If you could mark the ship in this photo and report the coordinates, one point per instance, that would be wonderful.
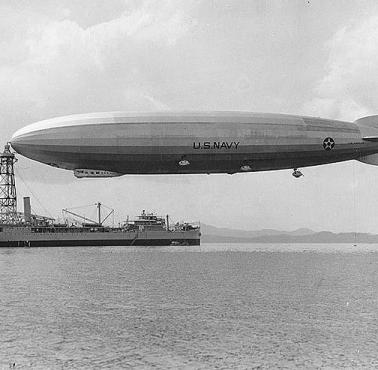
(24, 229)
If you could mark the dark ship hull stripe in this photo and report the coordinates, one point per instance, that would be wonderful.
(104, 242)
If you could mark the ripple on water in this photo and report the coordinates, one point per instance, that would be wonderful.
(238, 306)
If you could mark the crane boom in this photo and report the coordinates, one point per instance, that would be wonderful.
(80, 216)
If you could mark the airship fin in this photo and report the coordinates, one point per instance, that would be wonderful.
(369, 131)
(370, 138)
(368, 127)
(369, 159)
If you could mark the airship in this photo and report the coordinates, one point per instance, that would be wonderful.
(117, 143)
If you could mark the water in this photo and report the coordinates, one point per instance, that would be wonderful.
(214, 306)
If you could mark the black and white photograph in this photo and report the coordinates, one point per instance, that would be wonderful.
(188, 184)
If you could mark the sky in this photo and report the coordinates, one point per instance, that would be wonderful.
(316, 58)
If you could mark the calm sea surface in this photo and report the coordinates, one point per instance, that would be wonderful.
(214, 306)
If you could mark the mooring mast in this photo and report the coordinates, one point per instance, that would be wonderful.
(8, 198)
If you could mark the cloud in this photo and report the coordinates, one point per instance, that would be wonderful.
(349, 89)
(61, 67)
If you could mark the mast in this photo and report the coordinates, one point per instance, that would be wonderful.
(8, 197)
(99, 212)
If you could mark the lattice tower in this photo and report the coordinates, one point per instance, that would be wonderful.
(8, 198)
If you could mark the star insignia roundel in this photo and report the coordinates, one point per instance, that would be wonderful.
(328, 143)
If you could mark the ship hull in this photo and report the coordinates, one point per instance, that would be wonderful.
(23, 237)
(95, 243)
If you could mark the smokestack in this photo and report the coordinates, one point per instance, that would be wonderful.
(27, 209)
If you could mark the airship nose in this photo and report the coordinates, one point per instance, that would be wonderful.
(21, 141)
(29, 143)
(46, 142)
(17, 142)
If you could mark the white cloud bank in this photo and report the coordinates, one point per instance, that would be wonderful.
(65, 68)
(349, 89)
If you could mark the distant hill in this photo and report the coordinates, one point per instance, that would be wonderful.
(219, 231)
(212, 234)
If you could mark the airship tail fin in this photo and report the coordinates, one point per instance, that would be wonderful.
(369, 159)
(368, 127)
(369, 131)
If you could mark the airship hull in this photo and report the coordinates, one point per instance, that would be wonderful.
(170, 143)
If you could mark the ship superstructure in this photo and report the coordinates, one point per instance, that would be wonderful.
(29, 230)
